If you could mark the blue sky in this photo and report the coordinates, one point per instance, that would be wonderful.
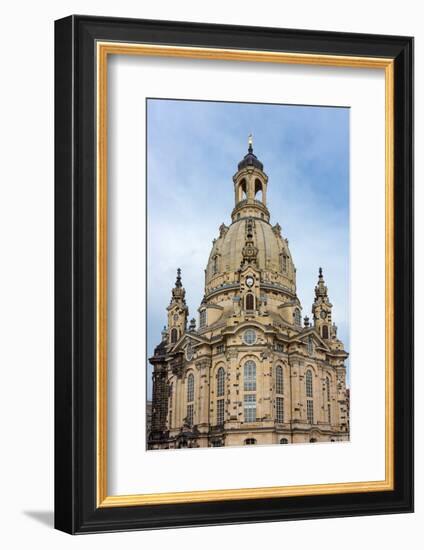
(193, 148)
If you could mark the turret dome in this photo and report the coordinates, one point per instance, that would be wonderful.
(250, 160)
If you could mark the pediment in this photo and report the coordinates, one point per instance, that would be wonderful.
(311, 332)
(187, 338)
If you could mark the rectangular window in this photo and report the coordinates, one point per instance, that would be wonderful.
(220, 412)
(310, 411)
(203, 318)
(220, 348)
(190, 414)
(279, 405)
(250, 408)
(329, 413)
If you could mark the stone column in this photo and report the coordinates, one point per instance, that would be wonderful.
(296, 397)
(203, 366)
(266, 395)
(234, 389)
(181, 402)
(264, 186)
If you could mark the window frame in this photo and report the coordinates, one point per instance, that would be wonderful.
(249, 301)
(249, 408)
(190, 388)
(220, 382)
(245, 337)
(279, 380)
(220, 411)
(279, 409)
(249, 378)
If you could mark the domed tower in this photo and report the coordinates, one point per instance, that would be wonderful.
(250, 186)
(250, 269)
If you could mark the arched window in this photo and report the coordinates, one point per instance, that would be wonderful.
(249, 376)
(190, 399)
(258, 190)
(279, 383)
(279, 390)
(309, 396)
(174, 335)
(284, 441)
(250, 302)
(249, 384)
(325, 332)
(220, 382)
(220, 392)
(297, 318)
(284, 262)
(312, 440)
(309, 389)
(250, 441)
(202, 323)
(242, 190)
(190, 388)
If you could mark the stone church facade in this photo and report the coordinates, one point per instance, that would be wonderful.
(251, 372)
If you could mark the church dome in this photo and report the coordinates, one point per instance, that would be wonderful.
(250, 239)
(273, 255)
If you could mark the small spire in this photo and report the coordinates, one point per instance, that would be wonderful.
(178, 283)
(250, 142)
(321, 289)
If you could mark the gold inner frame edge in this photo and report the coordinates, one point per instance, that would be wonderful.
(103, 49)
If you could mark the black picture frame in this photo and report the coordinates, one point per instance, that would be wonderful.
(76, 510)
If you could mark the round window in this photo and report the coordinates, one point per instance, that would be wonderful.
(249, 337)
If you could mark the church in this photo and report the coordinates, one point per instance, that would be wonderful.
(251, 371)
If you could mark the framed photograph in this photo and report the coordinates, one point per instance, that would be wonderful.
(234, 274)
